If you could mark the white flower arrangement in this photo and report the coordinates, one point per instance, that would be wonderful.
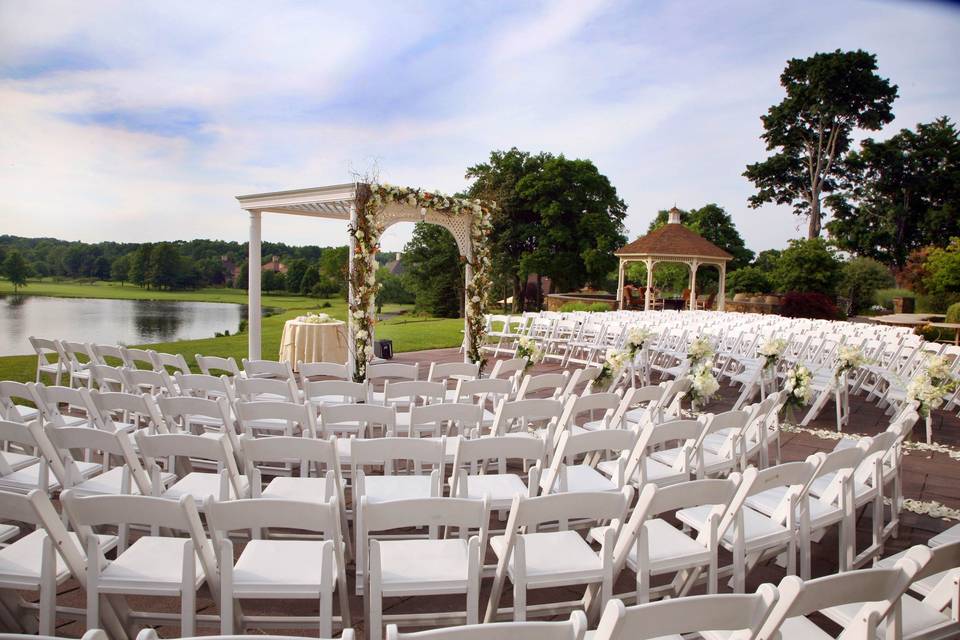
(703, 384)
(848, 359)
(771, 350)
(700, 350)
(797, 386)
(316, 318)
(932, 383)
(636, 338)
(529, 349)
(613, 364)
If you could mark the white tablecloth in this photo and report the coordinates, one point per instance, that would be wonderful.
(308, 342)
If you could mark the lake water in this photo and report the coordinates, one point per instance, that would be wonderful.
(110, 321)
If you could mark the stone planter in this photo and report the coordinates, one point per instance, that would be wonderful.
(903, 305)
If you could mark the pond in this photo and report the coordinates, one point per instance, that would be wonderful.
(110, 321)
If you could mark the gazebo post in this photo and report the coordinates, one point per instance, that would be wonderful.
(722, 296)
(620, 285)
(352, 247)
(693, 285)
(646, 298)
(254, 314)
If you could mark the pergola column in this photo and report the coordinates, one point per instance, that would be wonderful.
(620, 285)
(467, 278)
(254, 266)
(693, 285)
(722, 295)
(649, 292)
(352, 248)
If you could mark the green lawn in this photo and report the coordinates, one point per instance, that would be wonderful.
(408, 332)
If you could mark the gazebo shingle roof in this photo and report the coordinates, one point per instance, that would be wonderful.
(673, 239)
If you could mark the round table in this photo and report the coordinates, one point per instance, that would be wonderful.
(313, 342)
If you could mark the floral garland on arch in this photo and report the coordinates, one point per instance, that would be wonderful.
(370, 201)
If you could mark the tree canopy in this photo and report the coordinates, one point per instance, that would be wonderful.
(902, 194)
(16, 270)
(828, 96)
(434, 271)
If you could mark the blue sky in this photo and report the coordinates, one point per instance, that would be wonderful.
(139, 121)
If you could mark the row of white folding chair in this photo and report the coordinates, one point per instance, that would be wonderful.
(74, 359)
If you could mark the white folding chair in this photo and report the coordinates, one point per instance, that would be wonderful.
(274, 568)
(378, 374)
(483, 392)
(269, 369)
(333, 370)
(45, 350)
(321, 392)
(736, 616)
(171, 363)
(154, 565)
(276, 418)
(451, 373)
(408, 394)
(216, 366)
(545, 385)
(533, 559)
(480, 469)
(423, 567)
(573, 628)
(127, 478)
(565, 474)
(252, 389)
(137, 358)
(50, 398)
(47, 472)
(10, 409)
(78, 359)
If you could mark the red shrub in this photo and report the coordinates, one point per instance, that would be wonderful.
(809, 305)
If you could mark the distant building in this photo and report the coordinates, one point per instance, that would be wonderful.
(275, 265)
(396, 267)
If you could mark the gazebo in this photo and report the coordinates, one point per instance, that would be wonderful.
(673, 242)
(370, 209)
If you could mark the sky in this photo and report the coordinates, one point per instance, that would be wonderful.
(140, 121)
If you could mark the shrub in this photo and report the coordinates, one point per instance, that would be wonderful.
(928, 333)
(807, 266)
(584, 306)
(809, 305)
(860, 278)
(884, 297)
(749, 280)
(953, 313)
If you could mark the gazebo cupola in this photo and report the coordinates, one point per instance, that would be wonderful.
(673, 242)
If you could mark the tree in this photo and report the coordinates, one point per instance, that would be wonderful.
(860, 279)
(270, 280)
(140, 265)
(309, 280)
(295, 271)
(164, 266)
(748, 280)
(942, 280)
(767, 260)
(902, 194)
(434, 271)
(807, 266)
(16, 270)
(828, 96)
(120, 269)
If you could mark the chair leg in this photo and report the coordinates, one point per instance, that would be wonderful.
(188, 596)
(48, 589)
(519, 602)
(93, 579)
(326, 591)
(226, 592)
(375, 631)
(474, 570)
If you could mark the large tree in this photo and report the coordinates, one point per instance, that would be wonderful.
(903, 194)
(558, 218)
(829, 95)
(15, 268)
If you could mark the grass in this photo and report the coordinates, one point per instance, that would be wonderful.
(409, 333)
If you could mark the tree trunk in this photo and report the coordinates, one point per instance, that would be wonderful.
(517, 295)
(539, 292)
(813, 230)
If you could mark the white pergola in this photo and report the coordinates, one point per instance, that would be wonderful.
(333, 202)
(673, 242)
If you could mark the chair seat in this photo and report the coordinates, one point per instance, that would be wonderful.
(581, 477)
(27, 479)
(946, 537)
(201, 486)
(387, 488)
(8, 531)
(554, 558)
(111, 482)
(660, 474)
(916, 616)
(20, 562)
(767, 502)
(295, 488)
(18, 460)
(277, 425)
(500, 487)
(669, 548)
(25, 413)
(410, 567)
(280, 569)
(151, 565)
(716, 441)
(759, 531)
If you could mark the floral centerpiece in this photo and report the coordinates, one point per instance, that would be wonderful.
(700, 350)
(371, 199)
(636, 339)
(932, 383)
(848, 359)
(529, 349)
(316, 318)
(771, 350)
(613, 364)
(797, 386)
(703, 384)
